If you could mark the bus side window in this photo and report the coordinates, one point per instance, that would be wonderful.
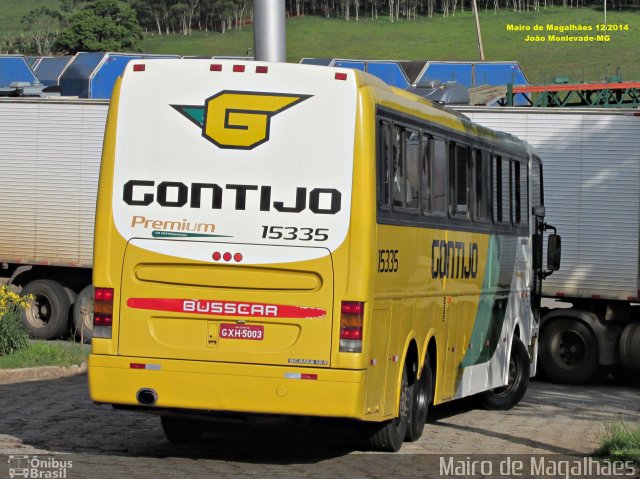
(536, 184)
(425, 165)
(439, 176)
(482, 184)
(458, 179)
(517, 191)
(506, 190)
(412, 167)
(496, 182)
(398, 181)
(384, 172)
(516, 179)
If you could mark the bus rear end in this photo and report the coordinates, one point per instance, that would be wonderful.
(223, 213)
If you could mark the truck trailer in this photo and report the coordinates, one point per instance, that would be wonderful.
(49, 160)
(591, 158)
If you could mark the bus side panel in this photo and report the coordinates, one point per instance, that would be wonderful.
(378, 341)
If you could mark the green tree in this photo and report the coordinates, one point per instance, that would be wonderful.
(102, 25)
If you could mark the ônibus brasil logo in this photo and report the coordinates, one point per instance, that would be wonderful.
(238, 119)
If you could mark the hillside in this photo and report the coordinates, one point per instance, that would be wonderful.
(438, 38)
(452, 38)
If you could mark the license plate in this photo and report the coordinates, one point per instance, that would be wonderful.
(242, 331)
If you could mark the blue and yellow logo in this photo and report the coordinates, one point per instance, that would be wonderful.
(238, 119)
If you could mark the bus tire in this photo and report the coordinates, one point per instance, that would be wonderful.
(420, 400)
(47, 315)
(388, 436)
(568, 351)
(506, 397)
(180, 430)
(83, 314)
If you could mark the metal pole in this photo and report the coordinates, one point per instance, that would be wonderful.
(269, 34)
(475, 14)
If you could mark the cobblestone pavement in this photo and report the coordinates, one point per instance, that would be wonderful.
(55, 419)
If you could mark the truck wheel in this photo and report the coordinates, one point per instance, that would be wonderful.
(420, 399)
(630, 346)
(568, 351)
(47, 315)
(179, 430)
(506, 397)
(389, 435)
(83, 314)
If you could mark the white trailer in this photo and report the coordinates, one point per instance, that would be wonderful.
(591, 161)
(49, 160)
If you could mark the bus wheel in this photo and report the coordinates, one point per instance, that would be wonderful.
(420, 400)
(389, 435)
(568, 351)
(47, 315)
(179, 430)
(506, 397)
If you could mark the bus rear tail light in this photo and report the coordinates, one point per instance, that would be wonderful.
(102, 312)
(351, 326)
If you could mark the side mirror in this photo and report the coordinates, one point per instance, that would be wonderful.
(554, 252)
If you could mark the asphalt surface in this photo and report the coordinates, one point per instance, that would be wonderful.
(54, 422)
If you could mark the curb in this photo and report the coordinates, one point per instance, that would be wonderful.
(40, 373)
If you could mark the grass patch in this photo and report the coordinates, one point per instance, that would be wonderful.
(46, 353)
(621, 442)
(440, 38)
(14, 10)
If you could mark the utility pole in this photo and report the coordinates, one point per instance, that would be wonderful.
(269, 33)
(479, 34)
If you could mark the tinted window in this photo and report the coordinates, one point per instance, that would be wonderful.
(482, 183)
(439, 174)
(412, 167)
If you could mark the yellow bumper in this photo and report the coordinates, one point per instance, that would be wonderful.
(229, 387)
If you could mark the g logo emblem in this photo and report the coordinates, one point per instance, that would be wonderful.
(238, 119)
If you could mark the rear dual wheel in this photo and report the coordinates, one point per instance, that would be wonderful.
(388, 436)
(420, 400)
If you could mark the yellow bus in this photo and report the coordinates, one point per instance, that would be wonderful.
(308, 241)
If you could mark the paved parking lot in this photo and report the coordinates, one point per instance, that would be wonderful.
(55, 420)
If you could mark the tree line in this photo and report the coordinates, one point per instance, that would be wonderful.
(69, 26)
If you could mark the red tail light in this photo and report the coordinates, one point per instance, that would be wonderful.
(102, 312)
(351, 326)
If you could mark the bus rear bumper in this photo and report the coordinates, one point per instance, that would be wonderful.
(228, 387)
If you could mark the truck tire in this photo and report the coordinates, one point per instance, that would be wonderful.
(83, 314)
(506, 397)
(568, 351)
(47, 315)
(630, 346)
(388, 436)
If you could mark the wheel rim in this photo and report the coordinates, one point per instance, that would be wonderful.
(38, 313)
(569, 349)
